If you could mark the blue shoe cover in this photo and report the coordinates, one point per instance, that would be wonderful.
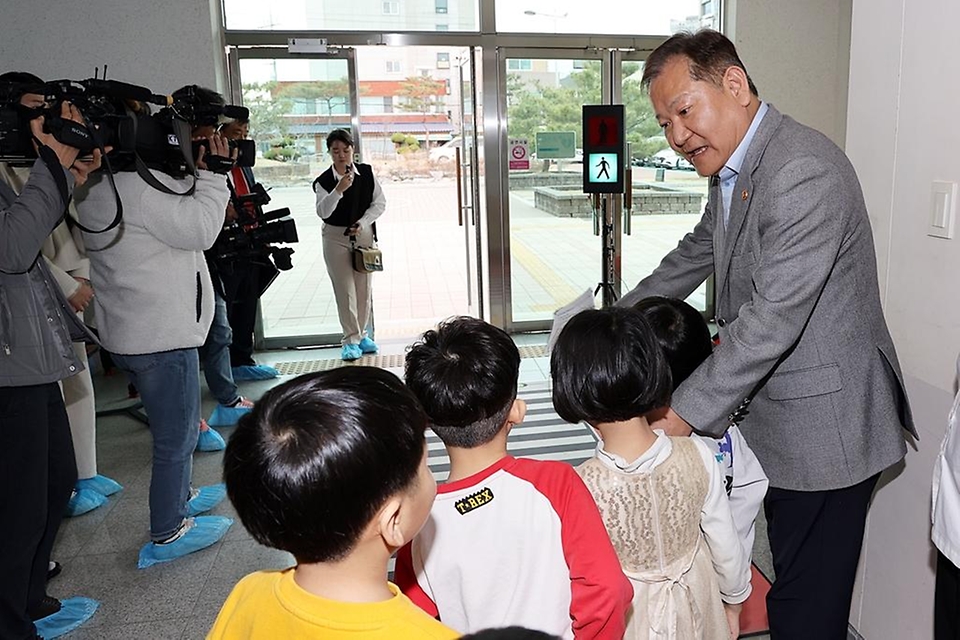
(368, 346)
(206, 498)
(227, 416)
(210, 440)
(101, 484)
(254, 372)
(350, 352)
(83, 501)
(73, 613)
(203, 532)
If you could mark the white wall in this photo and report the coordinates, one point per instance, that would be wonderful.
(797, 53)
(901, 136)
(159, 44)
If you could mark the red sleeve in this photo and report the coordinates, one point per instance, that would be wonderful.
(600, 594)
(405, 578)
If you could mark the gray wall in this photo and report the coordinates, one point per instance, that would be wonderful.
(798, 54)
(901, 138)
(159, 44)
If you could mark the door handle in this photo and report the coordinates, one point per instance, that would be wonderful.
(459, 189)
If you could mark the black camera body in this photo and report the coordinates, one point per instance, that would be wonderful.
(117, 115)
(254, 233)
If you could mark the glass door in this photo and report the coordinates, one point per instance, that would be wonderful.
(294, 102)
(412, 111)
(553, 252)
(668, 194)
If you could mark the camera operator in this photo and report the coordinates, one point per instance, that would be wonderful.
(154, 306)
(244, 279)
(37, 325)
(65, 257)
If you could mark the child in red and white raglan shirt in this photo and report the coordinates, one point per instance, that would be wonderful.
(509, 541)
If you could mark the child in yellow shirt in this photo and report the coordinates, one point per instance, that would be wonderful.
(332, 468)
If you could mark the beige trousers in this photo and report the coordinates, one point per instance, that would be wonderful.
(353, 290)
(82, 414)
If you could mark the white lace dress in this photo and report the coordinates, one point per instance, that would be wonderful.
(669, 521)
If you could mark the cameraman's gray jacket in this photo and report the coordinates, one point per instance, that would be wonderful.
(36, 321)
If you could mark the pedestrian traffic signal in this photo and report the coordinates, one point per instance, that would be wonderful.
(603, 148)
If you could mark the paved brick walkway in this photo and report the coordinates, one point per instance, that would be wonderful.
(425, 277)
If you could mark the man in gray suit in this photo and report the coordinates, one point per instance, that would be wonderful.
(803, 341)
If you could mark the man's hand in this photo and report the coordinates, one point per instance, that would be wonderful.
(67, 155)
(353, 230)
(82, 296)
(83, 167)
(231, 215)
(218, 147)
(674, 425)
(732, 612)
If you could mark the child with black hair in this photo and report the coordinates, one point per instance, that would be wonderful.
(330, 467)
(685, 339)
(662, 499)
(510, 541)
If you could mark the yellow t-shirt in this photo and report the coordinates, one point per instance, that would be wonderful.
(270, 604)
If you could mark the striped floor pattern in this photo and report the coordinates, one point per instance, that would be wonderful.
(543, 435)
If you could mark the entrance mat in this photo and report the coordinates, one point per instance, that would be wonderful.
(392, 361)
(753, 618)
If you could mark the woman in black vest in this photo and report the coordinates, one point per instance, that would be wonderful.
(349, 200)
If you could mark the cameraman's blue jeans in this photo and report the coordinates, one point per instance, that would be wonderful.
(169, 386)
(215, 354)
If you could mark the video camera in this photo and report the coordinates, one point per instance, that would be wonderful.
(252, 235)
(117, 114)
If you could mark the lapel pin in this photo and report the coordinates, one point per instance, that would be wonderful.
(744, 194)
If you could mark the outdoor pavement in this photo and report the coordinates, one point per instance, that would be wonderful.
(425, 277)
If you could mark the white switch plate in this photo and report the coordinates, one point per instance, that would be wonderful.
(943, 210)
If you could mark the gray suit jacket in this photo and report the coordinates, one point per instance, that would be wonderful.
(803, 340)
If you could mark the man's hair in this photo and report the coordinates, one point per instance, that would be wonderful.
(709, 52)
(607, 367)
(339, 135)
(509, 633)
(681, 331)
(20, 77)
(206, 97)
(309, 467)
(465, 375)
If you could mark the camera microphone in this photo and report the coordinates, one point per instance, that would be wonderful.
(123, 90)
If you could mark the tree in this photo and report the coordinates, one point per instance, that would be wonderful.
(531, 107)
(331, 93)
(267, 111)
(424, 96)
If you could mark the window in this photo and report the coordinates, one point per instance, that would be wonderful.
(394, 66)
(443, 61)
(707, 8)
(441, 6)
(515, 64)
(443, 27)
(391, 8)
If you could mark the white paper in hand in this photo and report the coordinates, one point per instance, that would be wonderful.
(563, 315)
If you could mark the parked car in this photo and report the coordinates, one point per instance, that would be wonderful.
(685, 165)
(447, 152)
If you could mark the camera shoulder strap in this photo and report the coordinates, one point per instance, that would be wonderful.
(182, 131)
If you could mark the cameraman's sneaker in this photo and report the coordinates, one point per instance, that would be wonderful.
(70, 614)
(350, 352)
(227, 416)
(254, 372)
(101, 484)
(205, 498)
(194, 534)
(368, 346)
(209, 440)
(83, 501)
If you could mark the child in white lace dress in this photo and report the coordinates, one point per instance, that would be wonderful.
(662, 499)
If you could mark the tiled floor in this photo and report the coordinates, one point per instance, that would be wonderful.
(181, 599)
